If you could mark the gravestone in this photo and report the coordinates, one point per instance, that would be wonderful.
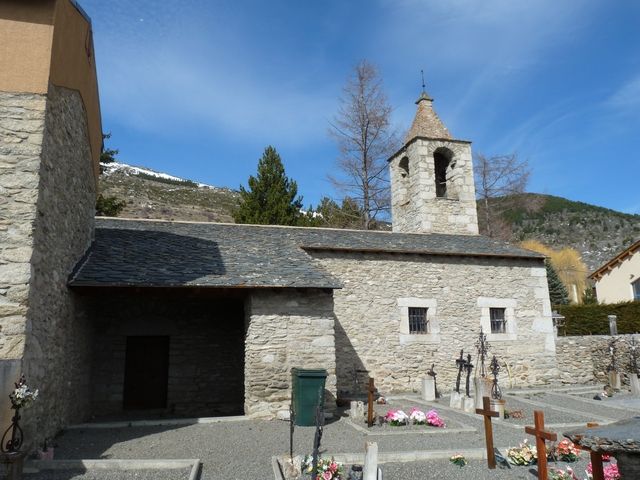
(428, 389)
(482, 389)
(635, 384)
(614, 380)
(456, 400)
(356, 411)
(613, 324)
(370, 461)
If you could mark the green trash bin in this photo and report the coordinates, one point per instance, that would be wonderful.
(307, 388)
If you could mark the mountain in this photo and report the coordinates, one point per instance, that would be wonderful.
(597, 233)
(150, 194)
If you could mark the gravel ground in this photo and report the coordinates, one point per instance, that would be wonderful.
(476, 469)
(243, 449)
(588, 406)
(165, 474)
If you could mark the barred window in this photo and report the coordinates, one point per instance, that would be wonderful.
(498, 321)
(418, 320)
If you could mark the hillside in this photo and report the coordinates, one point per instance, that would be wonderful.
(150, 194)
(596, 232)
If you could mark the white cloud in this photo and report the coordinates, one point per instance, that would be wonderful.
(627, 97)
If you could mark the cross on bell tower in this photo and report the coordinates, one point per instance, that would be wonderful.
(432, 187)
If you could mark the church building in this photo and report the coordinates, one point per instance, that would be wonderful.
(111, 315)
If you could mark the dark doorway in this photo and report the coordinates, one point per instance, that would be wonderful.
(146, 372)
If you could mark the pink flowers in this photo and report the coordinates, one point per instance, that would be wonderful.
(415, 417)
(434, 419)
(610, 471)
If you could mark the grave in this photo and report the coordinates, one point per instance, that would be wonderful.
(620, 439)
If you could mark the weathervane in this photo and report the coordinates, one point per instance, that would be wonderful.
(423, 87)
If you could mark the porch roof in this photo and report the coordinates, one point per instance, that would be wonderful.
(171, 254)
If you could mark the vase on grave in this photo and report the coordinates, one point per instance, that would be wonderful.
(482, 389)
(497, 405)
(13, 463)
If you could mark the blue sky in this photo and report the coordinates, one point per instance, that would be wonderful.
(198, 88)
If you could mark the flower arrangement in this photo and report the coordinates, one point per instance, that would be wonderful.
(567, 451)
(22, 396)
(416, 417)
(327, 469)
(513, 414)
(558, 474)
(458, 460)
(396, 418)
(524, 454)
(610, 472)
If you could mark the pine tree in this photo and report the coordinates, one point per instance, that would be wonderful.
(557, 291)
(272, 197)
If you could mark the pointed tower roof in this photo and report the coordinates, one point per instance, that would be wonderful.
(426, 122)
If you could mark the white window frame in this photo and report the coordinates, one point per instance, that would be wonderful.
(433, 325)
(511, 326)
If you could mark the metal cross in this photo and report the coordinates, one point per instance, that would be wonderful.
(468, 366)
(432, 373)
(482, 347)
(460, 363)
(496, 393)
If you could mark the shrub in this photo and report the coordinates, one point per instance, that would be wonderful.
(592, 319)
(109, 206)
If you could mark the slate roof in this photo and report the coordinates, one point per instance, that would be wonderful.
(426, 123)
(170, 254)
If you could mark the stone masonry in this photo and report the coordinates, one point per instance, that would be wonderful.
(415, 207)
(286, 329)
(369, 315)
(206, 348)
(48, 196)
(584, 359)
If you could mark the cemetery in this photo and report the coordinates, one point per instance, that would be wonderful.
(583, 429)
(164, 349)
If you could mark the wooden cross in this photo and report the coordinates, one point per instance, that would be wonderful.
(487, 413)
(541, 436)
(597, 469)
(370, 391)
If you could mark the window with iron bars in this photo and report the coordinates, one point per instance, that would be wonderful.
(418, 322)
(498, 320)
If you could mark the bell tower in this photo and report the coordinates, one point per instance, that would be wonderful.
(432, 187)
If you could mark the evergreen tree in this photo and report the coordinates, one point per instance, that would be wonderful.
(272, 197)
(557, 291)
(108, 155)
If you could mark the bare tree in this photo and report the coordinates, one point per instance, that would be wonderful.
(500, 180)
(365, 140)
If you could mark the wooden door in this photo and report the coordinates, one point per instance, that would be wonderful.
(146, 373)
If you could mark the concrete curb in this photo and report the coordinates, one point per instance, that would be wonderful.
(91, 464)
(160, 422)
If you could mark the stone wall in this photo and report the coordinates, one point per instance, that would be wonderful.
(415, 207)
(206, 348)
(378, 287)
(287, 329)
(48, 195)
(584, 359)
(21, 129)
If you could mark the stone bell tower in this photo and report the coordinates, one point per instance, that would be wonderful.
(50, 141)
(432, 187)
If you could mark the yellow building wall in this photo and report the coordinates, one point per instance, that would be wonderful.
(615, 285)
(50, 41)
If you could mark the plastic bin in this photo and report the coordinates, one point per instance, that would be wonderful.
(307, 389)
